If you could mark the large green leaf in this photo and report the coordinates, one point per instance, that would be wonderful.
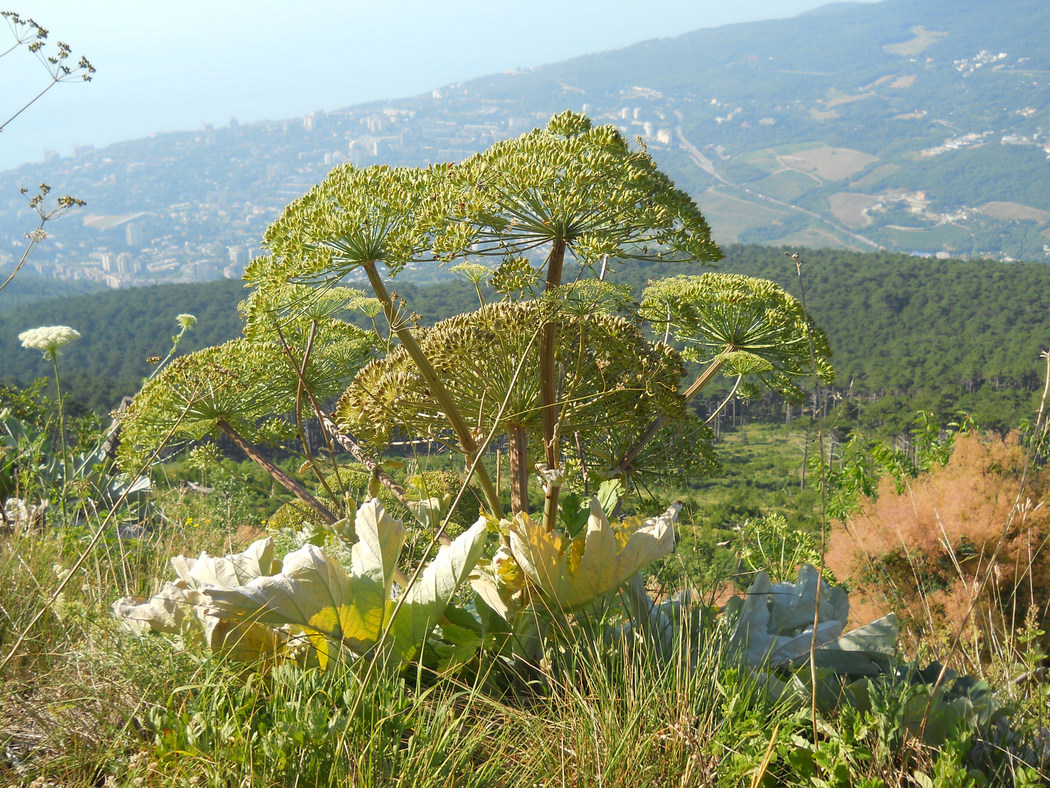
(317, 598)
(426, 599)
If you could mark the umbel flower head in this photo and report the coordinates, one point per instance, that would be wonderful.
(186, 320)
(48, 339)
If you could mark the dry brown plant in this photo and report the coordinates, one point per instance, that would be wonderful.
(922, 552)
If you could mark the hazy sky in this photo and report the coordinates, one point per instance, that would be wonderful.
(164, 66)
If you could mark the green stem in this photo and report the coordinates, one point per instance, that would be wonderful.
(437, 388)
(61, 439)
(549, 388)
(300, 390)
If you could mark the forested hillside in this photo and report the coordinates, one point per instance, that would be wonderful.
(907, 332)
(913, 333)
(120, 329)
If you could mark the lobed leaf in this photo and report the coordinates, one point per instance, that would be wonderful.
(571, 573)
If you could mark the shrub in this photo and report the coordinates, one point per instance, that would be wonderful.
(924, 551)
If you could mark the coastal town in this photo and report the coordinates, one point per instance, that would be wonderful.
(193, 206)
(812, 170)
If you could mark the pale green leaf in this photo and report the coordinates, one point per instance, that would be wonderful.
(229, 570)
(180, 607)
(316, 597)
(427, 598)
(569, 577)
(315, 594)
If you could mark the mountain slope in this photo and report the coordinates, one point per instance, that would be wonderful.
(909, 125)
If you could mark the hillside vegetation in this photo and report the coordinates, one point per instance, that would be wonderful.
(911, 333)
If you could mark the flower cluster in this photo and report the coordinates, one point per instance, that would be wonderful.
(186, 320)
(48, 339)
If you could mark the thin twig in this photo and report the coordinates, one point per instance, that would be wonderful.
(823, 499)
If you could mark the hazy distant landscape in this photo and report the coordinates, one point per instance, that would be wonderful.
(907, 126)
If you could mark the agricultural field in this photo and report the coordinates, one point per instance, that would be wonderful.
(1016, 212)
(822, 162)
(920, 40)
(850, 208)
(731, 216)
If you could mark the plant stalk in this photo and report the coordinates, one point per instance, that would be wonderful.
(690, 393)
(517, 458)
(61, 439)
(437, 388)
(280, 476)
(549, 388)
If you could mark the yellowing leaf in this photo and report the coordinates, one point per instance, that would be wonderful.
(567, 579)
(315, 596)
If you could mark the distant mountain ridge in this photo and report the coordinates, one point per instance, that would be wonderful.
(933, 110)
(906, 125)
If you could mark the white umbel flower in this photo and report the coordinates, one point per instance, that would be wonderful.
(48, 339)
(186, 320)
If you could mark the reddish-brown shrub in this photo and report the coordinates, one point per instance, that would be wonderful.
(923, 553)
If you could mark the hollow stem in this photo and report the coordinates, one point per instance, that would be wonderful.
(437, 388)
(280, 476)
(517, 458)
(549, 387)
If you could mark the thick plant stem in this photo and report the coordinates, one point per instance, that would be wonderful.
(517, 457)
(690, 393)
(280, 476)
(359, 454)
(549, 388)
(333, 432)
(437, 388)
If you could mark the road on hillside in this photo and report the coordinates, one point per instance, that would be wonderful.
(708, 166)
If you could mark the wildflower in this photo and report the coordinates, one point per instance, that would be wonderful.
(186, 320)
(48, 339)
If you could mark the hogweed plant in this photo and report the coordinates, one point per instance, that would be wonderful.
(572, 379)
(556, 402)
